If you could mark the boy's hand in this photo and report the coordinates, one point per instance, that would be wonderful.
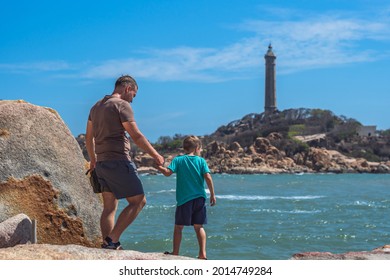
(213, 200)
(165, 171)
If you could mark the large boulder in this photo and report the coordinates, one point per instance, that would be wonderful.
(42, 174)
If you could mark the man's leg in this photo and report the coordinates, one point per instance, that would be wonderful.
(201, 236)
(177, 235)
(107, 219)
(128, 215)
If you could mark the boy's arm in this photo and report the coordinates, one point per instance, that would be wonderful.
(210, 185)
(166, 171)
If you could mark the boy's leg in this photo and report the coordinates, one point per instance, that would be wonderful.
(201, 236)
(177, 236)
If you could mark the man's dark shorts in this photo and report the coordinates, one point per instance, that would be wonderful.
(119, 177)
(191, 213)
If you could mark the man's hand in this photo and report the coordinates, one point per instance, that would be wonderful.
(92, 164)
(159, 160)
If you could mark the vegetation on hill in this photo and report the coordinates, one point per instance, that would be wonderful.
(340, 133)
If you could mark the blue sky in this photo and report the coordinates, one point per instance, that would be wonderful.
(199, 64)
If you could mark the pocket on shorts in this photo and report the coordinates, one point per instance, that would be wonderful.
(109, 165)
(132, 168)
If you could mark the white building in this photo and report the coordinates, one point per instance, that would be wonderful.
(367, 130)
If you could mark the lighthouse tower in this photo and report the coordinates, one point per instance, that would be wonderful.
(270, 83)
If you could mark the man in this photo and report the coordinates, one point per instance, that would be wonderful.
(108, 148)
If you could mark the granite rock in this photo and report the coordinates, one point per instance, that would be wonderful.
(15, 230)
(381, 253)
(42, 174)
(77, 252)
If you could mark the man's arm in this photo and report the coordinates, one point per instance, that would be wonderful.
(90, 145)
(210, 185)
(140, 140)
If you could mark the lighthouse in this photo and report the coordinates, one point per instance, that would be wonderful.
(270, 82)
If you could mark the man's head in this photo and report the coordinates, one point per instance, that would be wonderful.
(191, 144)
(127, 87)
(126, 80)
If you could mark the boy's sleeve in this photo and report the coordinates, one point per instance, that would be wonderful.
(206, 168)
(172, 165)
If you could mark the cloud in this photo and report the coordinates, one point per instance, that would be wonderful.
(184, 63)
(323, 41)
(301, 42)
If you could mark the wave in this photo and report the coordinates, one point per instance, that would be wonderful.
(163, 207)
(163, 191)
(260, 197)
(286, 212)
(166, 191)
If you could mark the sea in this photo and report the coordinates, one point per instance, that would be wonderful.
(271, 217)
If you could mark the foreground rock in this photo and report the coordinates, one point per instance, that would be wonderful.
(77, 252)
(381, 253)
(42, 174)
(15, 230)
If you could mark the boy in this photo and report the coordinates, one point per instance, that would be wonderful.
(192, 171)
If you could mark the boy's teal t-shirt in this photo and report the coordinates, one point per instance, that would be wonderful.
(190, 181)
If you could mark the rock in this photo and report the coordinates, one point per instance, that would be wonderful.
(261, 145)
(382, 168)
(42, 174)
(213, 148)
(381, 253)
(147, 161)
(275, 136)
(15, 230)
(147, 170)
(236, 147)
(77, 252)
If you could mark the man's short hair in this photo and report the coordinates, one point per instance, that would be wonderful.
(191, 142)
(126, 80)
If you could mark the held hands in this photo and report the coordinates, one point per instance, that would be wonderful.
(159, 160)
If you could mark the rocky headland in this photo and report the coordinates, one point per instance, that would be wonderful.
(292, 141)
(263, 156)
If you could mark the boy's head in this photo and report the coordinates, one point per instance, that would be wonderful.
(191, 143)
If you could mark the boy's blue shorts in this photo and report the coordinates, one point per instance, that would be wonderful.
(191, 213)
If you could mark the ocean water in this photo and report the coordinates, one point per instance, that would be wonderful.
(271, 217)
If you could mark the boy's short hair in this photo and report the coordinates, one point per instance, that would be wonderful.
(191, 142)
(126, 80)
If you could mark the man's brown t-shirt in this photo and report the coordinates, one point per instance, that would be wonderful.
(107, 116)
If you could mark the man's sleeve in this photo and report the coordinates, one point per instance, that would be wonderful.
(126, 113)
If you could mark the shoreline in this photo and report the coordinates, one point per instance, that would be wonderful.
(152, 171)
